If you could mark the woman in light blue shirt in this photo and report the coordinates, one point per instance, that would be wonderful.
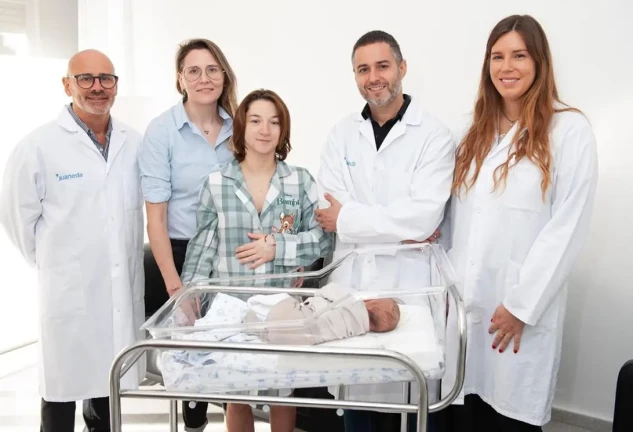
(180, 149)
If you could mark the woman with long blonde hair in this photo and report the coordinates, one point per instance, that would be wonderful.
(523, 192)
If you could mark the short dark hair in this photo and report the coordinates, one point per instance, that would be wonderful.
(384, 314)
(379, 36)
(238, 142)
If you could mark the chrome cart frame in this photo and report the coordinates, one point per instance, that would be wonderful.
(130, 355)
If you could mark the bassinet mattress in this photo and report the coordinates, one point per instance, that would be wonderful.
(221, 372)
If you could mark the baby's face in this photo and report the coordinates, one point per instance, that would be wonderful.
(384, 314)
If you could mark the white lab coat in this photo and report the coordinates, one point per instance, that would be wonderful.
(516, 248)
(79, 221)
(394, 194)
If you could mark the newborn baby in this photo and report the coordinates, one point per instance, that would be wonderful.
(350, 318)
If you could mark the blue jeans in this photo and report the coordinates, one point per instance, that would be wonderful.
(370, 421)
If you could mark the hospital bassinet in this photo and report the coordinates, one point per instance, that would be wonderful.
(206, 349)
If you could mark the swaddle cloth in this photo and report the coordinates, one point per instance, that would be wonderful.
(261, 304)
(347, 319)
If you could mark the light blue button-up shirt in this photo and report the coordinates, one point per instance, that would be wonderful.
(175, 159)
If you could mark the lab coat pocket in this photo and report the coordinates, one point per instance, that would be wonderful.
(523, 189)
(524, 207)
(61, 291)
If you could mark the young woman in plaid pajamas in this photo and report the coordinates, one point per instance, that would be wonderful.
(256, 216)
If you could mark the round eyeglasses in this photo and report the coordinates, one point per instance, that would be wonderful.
(86, 81)
(192, 73)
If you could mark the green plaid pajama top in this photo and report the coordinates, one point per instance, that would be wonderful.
(226, 214)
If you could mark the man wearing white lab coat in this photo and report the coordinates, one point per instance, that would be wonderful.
(70, 201)
(386, 175)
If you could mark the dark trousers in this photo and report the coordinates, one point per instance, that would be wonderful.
(371, 421)
(60, 416)
(155, 296)
(623, 411)
(477, 416)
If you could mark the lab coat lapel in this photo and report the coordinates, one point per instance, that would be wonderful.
(117, 141)
(412, 116)
(367, 131)
(505, 142)
(66, 121)
(85, 140)
(396, 131)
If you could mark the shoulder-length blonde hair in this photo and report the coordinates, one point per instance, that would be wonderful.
(228, 99)
(537, 111)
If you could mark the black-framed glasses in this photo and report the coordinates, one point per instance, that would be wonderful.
(86, 81)
(192, 73)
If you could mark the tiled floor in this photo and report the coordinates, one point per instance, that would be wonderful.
(560, 427)
(19, 405)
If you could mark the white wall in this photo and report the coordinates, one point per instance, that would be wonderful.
(54, 31)
(302, 51)
(31, 93)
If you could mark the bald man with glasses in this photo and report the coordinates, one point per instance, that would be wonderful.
(70, 202)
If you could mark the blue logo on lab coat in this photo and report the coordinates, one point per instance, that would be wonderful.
(350, 163)
(62, 177)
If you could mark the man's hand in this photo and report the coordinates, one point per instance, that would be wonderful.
(328, 217)
(260, 251)
(434, 237)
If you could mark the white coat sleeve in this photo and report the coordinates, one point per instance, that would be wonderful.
(446, 233)
(331, 175)
(412, 217)
(551, 257)
(21, 198)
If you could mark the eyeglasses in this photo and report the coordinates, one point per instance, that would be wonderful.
(86, 81)
(192, 73)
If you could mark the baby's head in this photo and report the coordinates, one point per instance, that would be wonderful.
(384, 314)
